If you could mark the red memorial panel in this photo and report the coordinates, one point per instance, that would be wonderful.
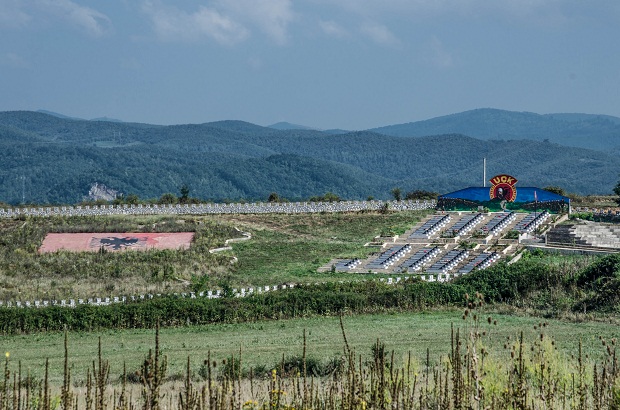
(79, 242)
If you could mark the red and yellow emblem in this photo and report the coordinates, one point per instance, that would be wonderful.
(503, 188)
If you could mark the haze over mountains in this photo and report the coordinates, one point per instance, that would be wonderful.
(600, 132)
(49, 159)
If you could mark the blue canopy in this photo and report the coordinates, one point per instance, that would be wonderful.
(525, 194)
(528, 199)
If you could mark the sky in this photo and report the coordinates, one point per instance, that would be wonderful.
(349, 64)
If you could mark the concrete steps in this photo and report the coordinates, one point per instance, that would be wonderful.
(590, 234)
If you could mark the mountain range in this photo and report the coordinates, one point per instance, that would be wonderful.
(51, 159)
(601, 132)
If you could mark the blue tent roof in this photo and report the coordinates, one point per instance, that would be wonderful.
(524, 194)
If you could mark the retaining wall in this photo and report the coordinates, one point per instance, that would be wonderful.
(216, 208)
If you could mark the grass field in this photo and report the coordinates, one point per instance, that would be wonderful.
(290, 248)
(265, 343)
(283, 248)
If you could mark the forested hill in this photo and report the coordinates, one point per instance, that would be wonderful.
(601, 132)
(46, 159)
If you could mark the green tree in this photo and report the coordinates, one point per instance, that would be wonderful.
(132, 199)
(273, 197)
(421, 194)
(617, 192)
(167, 198)
(184, 198)
(397, 194)
(331, 197)
(327, 197)
(555, 189)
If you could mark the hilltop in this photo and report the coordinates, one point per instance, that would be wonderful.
(601, 132)
(47, 159)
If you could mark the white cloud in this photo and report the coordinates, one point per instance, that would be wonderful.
(19, 14)
(90, 20)
(270, 16)
(333, 29)
(380, 34)
(552, 11)
(170, 23)
(12, 15)
(225, 21)
(377, 8)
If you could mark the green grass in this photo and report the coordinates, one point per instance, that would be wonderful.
(292, 247)
(283, 248)
(265, 343)
(27, 275)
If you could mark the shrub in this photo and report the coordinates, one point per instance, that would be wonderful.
(231, 368)
(600, 272)
(295, 364)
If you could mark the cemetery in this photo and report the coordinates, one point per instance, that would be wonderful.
(446, 245)
(475, 227)
(439, 247)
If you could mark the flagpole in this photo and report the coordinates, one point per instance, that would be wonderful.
(535, 205)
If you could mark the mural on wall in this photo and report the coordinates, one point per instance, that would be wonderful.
(503, 195)
(503, 188)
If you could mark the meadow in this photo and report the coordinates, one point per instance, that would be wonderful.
(431, 359)
(264, 343)
(283, 249)
(542, 334)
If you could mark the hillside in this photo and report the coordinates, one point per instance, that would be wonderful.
(283, 125)
(46, 159)
(601, 132)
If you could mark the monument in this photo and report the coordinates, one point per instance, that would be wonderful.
(503, 195)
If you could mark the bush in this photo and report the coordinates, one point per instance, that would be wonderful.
(295, 364)
(421, 194)
(529, 281)
(600, 272)
(231, 368)
(588, 216)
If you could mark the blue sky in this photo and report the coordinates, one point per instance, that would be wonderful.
(352, 64)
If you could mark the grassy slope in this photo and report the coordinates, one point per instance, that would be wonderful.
(27, 275)
(291, 247)
(284, 248)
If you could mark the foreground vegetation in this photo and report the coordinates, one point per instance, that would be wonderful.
(537, 283)
(263, 343)
(481, 361)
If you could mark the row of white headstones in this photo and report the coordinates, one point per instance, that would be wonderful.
(211, 294)
(215, 208)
